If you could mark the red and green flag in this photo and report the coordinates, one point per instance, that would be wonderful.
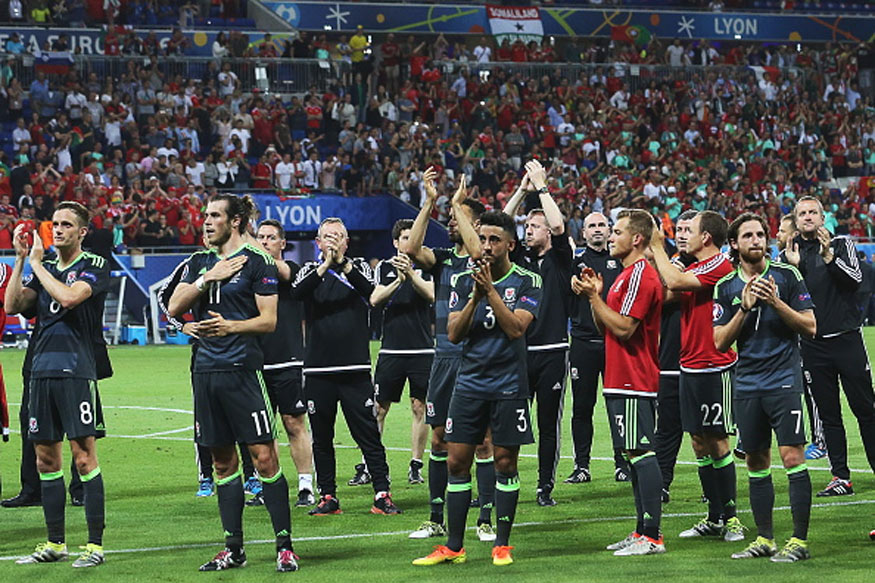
(631, 33)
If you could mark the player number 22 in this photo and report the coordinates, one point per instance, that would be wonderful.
(258, 422)
(716, 411)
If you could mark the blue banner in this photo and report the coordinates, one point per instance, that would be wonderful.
(374, 213)
(467, 19)
(89, 41)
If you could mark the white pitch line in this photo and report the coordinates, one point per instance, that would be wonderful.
(162, 435)
(156, 434)
(406, 532)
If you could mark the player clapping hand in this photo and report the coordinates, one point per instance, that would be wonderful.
(402, 264)
(428, 178)
(589, 283)
(824, 237)
(22, 240)
(482, 274)
(762, 289)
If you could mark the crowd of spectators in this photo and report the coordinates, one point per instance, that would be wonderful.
(145, 150)
(142, 13)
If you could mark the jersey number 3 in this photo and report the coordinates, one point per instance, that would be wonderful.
(489, 322)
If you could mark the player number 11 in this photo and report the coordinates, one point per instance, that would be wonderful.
(257, 421)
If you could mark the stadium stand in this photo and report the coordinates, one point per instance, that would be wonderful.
(146, 132)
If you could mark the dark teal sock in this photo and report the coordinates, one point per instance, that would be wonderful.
(649, 492)
(724, 476)
(458, 501)
(95, 505)
(230, 494)
(54, 498)
(276, 499)
(437, 484)
(762, 501)
(639, 509)
(800, 500)
(507, 494)
(486, 489)
(709, 488)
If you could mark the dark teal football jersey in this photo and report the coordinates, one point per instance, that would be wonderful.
(234, 299)
(64, 346)
(447, 264)
(768, 350)
(494, 366)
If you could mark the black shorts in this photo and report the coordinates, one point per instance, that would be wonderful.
(633, 422)
(285, 390)
(706, 402)
(758, 416)
(231, 407)
(441, 383)
(470, 417)
(394, 369)
(64, 406)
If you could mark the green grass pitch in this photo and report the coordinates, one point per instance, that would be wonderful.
(158, 531)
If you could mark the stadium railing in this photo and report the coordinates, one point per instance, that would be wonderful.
(637, 76)
(276, 75)
(281, 75)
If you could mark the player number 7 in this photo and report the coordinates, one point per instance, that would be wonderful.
(798, 414)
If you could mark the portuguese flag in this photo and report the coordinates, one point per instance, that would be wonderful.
(635, 34)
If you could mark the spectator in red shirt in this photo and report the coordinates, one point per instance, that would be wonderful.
(391, 54)
(262, 174)
(188, 234)
(518, 52)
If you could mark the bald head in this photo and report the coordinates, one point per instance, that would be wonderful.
(595, 230)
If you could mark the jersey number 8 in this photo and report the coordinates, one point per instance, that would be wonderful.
(85, 414)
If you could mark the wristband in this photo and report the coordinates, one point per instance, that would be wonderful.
(743, 311)
(200, 284)
(543, 190)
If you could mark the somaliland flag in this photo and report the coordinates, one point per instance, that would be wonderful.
(515, 22)
(56, 62)
(631, 33)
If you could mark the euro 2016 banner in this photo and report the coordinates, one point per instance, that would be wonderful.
(515, 23)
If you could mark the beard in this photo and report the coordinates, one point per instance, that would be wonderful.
(752, 255)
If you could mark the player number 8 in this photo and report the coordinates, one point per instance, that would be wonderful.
(85, 414)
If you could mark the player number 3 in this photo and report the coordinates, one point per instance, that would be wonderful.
(489, 324)
(522, 425)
